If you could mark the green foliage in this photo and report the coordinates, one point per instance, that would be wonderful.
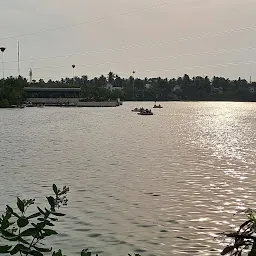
(11, 91)
(244, 238)
(160, 89)
(24, 234)
(4, 103)
(181, 88)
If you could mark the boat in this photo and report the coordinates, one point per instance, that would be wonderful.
(146, 112)
(157, 106)
(137, 109)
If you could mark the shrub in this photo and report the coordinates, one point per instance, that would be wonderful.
(244, 238)
(25, 233)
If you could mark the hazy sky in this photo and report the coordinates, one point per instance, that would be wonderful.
(164, 38)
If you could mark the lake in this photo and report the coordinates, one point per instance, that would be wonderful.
(165, 184)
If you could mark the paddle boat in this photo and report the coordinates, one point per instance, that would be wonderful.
(146, 112)
(157, 106)
(137, 109)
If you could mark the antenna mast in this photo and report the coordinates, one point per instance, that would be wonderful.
(18, 58)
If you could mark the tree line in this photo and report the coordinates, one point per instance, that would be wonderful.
(113, 86)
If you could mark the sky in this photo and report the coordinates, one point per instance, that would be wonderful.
(165, 38)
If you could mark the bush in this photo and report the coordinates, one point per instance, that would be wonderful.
(4, 103)
(24, 233)
(244, 238)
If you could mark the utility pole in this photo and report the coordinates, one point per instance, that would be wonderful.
(73, 66)
(2, 50)
(18, 58)
(133, 72)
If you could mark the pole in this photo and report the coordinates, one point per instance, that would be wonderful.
(2, 50)
(18, 58)
(3, 63)
(73, 66)
(133, 72)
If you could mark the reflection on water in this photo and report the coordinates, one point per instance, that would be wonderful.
(157, 185)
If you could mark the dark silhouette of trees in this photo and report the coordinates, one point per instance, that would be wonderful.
(153, 89)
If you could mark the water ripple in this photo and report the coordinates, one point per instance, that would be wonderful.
(163, 185)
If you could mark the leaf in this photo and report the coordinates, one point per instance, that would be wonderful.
(20, 248)
(22, 222)
(244, 224)
(20, 205)
(24, 249)
(58, 214)
(5, 224)
(49, 232)
(53, 219)
(42, 249)
(13, 238)
(5, 248)
(15, 249)
(8, 208)
(29, 232)
(55, 189)
(40, 210)
(51, 201)
(34, 215)
(7, 233)
(48, 223)
(20, 239)
(227, 250)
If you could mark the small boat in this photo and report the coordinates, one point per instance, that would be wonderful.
(146, 112)
(157, 106)
(137, 109)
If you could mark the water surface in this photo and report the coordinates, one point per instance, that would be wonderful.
(157, 185)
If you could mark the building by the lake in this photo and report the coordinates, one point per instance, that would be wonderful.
(62, 97)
